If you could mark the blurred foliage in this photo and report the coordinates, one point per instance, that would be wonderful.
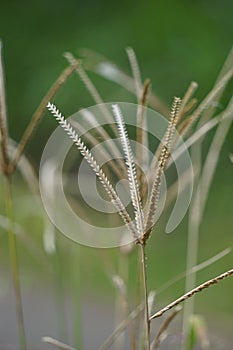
(176, 42)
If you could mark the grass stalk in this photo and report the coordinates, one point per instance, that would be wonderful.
(194, 291)
(3, 119)
(60, 286)
(208, 100)
(135, 72)
(121, 327)
(58, 344)
(108, 70)
(192, 241)
(145, 289)
(9, 208)
(38, 115)
(14, 263)
(122, 308)
(76, 296)
(163, 329)
(204, 264)
(90, 88)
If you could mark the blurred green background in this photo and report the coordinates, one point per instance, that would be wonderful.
(175, 42)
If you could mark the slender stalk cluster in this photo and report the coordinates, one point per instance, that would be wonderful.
(142, 230)
(94, 165)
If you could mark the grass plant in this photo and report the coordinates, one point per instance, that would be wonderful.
(193, 121)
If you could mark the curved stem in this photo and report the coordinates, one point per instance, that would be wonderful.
(38, 115)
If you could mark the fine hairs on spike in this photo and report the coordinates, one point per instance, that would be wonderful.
(131, 170)
(94, 165)
(162, 162)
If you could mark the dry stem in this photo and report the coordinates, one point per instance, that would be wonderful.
(38, 114)
(3, 119)
(145, 289)
(194, 291)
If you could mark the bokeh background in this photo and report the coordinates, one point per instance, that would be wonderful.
(175, 42)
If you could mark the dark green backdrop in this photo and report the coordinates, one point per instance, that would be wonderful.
(176, 42)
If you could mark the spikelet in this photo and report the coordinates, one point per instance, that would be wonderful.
(135, 71)
(131, 170)
(94, 165)
(162, 162)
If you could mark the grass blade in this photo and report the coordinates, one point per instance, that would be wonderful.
(38, 115)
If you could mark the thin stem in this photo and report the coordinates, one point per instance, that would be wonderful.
(122, 308)
(142, 137)
(194, 269)
(188, 95)
(76, 295)
(135, 71)
(3, 119)
(105, 68)
(9, 209)
(57, 343)
(138, 301)
(146, 307)
(218, 88)
(122, 326)
(194, 291)
(163, 328)
(59, 280)
(14, 263)
(91, 89)
(192, 241)
(38, 114)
